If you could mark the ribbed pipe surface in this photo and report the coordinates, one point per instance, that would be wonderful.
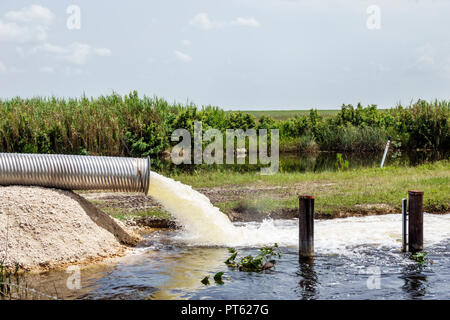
(75, 172)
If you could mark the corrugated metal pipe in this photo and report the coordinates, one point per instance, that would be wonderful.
(75, 172)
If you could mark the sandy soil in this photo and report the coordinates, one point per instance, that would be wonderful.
(46, 228)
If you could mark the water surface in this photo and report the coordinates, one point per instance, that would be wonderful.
(365, 264)
(326, 161)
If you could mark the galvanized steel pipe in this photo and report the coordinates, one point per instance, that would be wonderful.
(75, 172)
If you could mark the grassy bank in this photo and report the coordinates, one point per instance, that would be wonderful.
(361, 191)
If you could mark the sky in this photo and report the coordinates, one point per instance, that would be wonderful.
(246, 54)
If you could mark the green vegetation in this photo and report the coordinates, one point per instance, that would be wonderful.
(263, 261)
(218, 278)
(205, 280)
(337, 193)
(286, 114)
(9, 280)
(254, 264)
(133, 126)
(13, 285)
(122, 214)
(341, 164)
(421, 258)
(121, 210)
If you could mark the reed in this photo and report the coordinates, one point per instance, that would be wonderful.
(140, 126)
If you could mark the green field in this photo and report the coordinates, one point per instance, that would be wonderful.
(286, 114)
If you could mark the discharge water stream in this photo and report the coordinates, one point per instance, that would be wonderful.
(205, 225)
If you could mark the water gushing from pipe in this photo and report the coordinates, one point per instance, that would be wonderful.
(205, 224)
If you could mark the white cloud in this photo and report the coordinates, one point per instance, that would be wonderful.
(49, 48)
(11, 31)
(80, 52)
(76, 53)
(246, 22)
(185, 42)
(33, 14)
(202, 20)
(182, 56)
(103, 52)
(29, 24)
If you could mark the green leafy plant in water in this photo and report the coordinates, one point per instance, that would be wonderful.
(340, 163)
(218, 278)
(205, 280)
(254, 264)
(231, 260)
(421, 258)
(248, 263)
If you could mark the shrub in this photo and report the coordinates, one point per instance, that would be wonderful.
(352, 138)
(307, 143)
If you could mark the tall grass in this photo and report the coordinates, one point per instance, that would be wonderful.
(10, 282)
(140, 126)
(352, 138)
(307, 143)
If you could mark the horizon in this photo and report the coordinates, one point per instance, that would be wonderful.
(225, 108)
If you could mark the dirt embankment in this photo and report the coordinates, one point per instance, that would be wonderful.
(47, 228)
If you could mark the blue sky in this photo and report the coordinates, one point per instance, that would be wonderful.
(247, 54)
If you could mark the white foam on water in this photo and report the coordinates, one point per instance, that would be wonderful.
(206, 225)
(346, 234)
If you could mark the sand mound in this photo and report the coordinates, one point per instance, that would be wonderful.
(44, 228)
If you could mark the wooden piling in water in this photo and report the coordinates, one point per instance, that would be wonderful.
(306, 226)
(415, 228)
